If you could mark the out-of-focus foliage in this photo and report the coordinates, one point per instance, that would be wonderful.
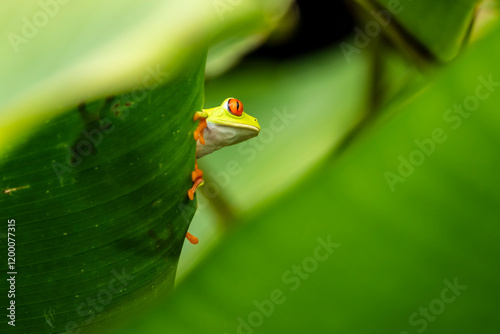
(440, 26)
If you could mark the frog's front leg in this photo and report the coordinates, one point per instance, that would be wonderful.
(197, 174)
(198, 133)
(197, 178)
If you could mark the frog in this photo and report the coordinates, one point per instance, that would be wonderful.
(219, 127)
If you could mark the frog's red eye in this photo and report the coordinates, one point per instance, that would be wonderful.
(235, 107)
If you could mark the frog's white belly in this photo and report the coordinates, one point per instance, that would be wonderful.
(217, 136)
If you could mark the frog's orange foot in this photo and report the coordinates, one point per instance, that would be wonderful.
(197, 172)
(196, 176)
(198, 133)
(198, 182)
(191, 238)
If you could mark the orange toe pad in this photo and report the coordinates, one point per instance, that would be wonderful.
(191, 238)
(195, 186)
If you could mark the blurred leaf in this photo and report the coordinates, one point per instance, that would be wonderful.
(309, 105)
(421, 255)
(224, 54)
(440, 26)
(487, 15)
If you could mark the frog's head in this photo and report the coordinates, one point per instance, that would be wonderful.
(230, 113)
(227, 125)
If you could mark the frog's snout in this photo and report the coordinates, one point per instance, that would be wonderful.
(257, 125)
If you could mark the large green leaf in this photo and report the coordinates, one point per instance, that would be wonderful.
(349, 251)
(101, 207)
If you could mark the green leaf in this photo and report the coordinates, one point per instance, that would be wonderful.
(346, 252)
(99, 198)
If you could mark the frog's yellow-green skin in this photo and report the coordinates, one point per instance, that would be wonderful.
(226, 125)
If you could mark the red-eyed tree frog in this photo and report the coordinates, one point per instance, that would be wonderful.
(218, 127)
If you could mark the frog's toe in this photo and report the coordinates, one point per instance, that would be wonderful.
(196, 173)
(191, 238)
(202, 124)
(197, 183)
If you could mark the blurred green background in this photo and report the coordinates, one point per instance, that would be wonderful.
(367, 204)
